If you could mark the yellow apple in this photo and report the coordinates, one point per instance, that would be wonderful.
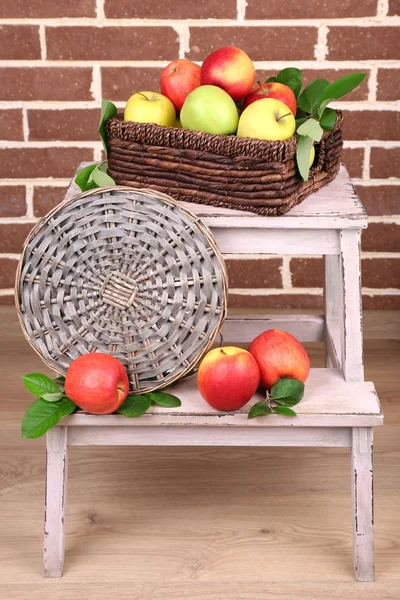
(312, 156)
(150, 107)
(267, 119)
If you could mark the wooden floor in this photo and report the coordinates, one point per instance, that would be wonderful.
(196, 524)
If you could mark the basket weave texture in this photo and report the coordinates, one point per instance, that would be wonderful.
(220, 170)
(126, 272)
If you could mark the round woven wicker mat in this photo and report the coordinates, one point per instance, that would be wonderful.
(126, 272)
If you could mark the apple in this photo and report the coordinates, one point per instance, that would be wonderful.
(278, 354)
(312, 156)
(228, 377)
(230, 69)
(276, 90)
(150, 107)
(267, 119)
(97, 383)
(178, 79)
(208, 108)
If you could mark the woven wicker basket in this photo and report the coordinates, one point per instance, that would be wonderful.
(220, 170)
(126, 272)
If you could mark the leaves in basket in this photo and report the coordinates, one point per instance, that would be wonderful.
(39, 384)
(134, 406)
(303, 155)
(310, 94)
(339, 88)
(163, 399)
(312, 128)
(108, 110)
(327, 121)
(291, 77)
(287, 391)
(42, 415)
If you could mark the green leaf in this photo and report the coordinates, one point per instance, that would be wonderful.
(303, 155)
(84, 178)
(341, 87)
(163, 399)
(134, 406)
(53, 397)
(311, 94)
(300, 114)
(300, 121)
(291, 77)
(271, 79)
(100, 176)
(39, 384)
(41, 416)
(60, 379)
(283, 410)
(259, 409)
(287, 391)
(108, 110)
(327, 121)
(312, 128)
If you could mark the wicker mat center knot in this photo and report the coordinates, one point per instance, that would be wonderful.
(118, 290)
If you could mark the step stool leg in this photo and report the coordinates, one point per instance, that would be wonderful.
(56, 489)
(363, 503)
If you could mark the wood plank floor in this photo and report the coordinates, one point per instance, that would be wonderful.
(196, 523)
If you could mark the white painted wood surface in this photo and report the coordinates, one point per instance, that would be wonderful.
(328, 402)
(352, 350)
(335, 206)
(334, 307)
(306, 328)
(209, 436)
(55, 501)
(363, 503)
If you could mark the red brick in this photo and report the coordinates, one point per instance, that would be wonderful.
(276, 301)
(12, 201)
(7, 300)
(41, 162)
(119, 83)
(8, 267)
(19, 42)
(381, 302)
(360, 93)
(380, 272)
(45, 83)
(68, 124)
(394, 7)
(46, 198)
(388, 84)
(256, 273)
(381, 237)
(11, 124)
(362, 43)
(112, 43)
(380, 200)
(171, 9)
(13, 236)
(35, 9)
(385, 162)
(353, 158)
(371, 125)
(276, 9)
(260, 43)
(307, 272)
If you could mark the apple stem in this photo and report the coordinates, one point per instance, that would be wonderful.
(223, 352)
(140, 94)
(283, 116)
(259, 83)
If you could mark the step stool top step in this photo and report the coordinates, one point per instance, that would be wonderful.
(334, 206)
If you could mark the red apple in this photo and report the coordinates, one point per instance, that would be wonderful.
(230, 69)
(275, 90)
(97, 383)
(228, 377)
(178, 79)
(278, 354)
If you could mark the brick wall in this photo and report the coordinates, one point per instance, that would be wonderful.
(57, 59)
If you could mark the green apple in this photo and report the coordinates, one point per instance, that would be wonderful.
(150, 107)
(312, 156)
(267, 119)
(208, 108)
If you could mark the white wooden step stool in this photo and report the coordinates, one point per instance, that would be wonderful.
(339, 409)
